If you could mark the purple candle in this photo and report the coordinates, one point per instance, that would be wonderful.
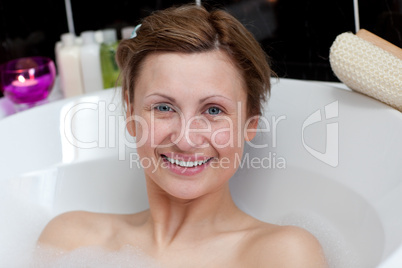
(28, 80)
(29, 91)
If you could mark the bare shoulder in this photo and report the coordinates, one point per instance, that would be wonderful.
(304, 248)
(71, 230)
(285, 246)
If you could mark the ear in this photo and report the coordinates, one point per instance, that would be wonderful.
(251, 128)
(129, 116)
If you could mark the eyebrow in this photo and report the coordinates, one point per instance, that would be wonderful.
(173, 100)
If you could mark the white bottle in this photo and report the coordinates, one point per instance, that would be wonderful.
(90, 62)
(99, 36)
(57, 48)
(70, 66)
(127, 32)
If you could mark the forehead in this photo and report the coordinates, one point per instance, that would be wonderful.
(205, 72)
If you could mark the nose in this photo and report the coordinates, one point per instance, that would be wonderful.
(193, 133)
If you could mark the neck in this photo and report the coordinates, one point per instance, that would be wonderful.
(173, 219)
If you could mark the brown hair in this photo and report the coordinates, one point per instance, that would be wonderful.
(192, 29)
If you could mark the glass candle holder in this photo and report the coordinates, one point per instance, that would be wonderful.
(27, 81)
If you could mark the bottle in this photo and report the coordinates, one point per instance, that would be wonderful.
(57, 48)
(90, 62)
(70, 66)
(126, 32)
(110, 70)
(99, 36)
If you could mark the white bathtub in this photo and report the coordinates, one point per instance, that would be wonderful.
(332, 164)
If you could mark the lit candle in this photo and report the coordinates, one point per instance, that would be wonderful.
(28, 80)
(22, 82)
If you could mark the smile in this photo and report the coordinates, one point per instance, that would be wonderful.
(187, 164)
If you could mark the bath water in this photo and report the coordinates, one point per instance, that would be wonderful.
(22, 220)
(21, 225)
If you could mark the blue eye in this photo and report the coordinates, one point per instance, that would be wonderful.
(163, 108)
(214, 110)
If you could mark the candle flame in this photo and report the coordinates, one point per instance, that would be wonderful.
(21, 78)
(31, 73)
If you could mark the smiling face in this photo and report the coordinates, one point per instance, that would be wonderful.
(191, 113)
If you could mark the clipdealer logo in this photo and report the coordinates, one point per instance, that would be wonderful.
(331, 154)
(109, 126)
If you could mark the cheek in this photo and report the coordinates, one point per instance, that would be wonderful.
(154, 132)
(227, 135)
(222, 138)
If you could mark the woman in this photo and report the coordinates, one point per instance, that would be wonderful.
(194, 82)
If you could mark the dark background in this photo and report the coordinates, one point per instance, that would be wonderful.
(297, 34)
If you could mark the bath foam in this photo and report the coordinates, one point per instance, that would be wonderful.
(93, 257)
(337, 251)
(20, 226)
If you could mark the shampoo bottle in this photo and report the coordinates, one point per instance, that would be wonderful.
(110, 70)
(57, 48)
(126, 32)
(70, 66)
(99, 36)
(90, 62)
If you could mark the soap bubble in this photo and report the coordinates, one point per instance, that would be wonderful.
(96, 257)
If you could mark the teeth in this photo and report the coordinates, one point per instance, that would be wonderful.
(185, 163)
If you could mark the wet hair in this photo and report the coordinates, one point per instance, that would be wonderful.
(193, 29)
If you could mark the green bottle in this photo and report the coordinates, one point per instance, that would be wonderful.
(110, 70)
